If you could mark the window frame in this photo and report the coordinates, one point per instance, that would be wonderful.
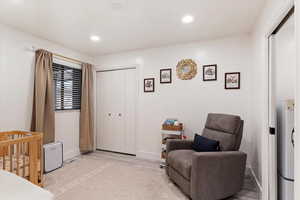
(62, 83)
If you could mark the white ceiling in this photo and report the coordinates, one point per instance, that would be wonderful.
(128, 24)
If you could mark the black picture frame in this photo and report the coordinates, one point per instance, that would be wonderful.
(145, 85)
(169, 70)
(215, 75)
(238, 81)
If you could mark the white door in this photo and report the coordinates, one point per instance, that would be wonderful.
(282, 68)
(272, 122)
(116, 102)
(104, 121)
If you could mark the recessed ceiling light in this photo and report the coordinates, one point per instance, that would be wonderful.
(95, 38)
(187, 19)
(118, 4)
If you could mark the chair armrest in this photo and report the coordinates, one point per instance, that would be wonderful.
(217, 175)
(175, 144)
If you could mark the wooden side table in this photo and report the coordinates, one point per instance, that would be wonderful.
(169, 132)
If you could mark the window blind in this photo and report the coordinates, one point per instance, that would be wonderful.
(67, 84)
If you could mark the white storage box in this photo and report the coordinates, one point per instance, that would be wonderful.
(53, 156)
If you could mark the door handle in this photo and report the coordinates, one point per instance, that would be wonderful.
(272, 130)
(292, 137)
(109, 114)
(120, 114)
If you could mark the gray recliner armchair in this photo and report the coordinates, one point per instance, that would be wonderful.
(210, 175)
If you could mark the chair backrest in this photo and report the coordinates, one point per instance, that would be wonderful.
(227, 129)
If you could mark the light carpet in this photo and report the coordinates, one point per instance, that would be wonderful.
(108, 176)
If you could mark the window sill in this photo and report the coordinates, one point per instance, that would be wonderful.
(66, 111)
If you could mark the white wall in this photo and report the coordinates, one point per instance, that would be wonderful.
(297, 137)
(273, 11)
(189, 101)
(16, 86)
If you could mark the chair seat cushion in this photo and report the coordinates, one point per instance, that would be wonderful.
(181, 161)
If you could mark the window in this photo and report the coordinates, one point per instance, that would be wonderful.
(67, 84)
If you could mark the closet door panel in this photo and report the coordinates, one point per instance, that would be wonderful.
(130, 106)
(117, 101)
(104, 112)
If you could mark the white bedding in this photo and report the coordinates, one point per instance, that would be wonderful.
(13, 187)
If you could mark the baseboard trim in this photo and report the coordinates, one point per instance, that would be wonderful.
(71, 154)
(128, 154)
(255, 179)
(148, 155)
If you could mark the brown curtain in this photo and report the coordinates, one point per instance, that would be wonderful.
(86, 140)
(43, 100)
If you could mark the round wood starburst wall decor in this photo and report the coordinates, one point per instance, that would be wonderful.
(186, 69)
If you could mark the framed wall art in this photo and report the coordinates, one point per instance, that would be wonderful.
(186, 69)
(233, 80)
(209, 72)
(165, 76)
(149, 85)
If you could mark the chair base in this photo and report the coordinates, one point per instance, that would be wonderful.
(180, 181)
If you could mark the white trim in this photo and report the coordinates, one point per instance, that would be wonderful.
(137, 106)
(297, 111)
(148, 155)
(255, 179)
(117, 69)
(60, 61)
(265, 137)
(113, 68)
(95, 106)
(282, 12)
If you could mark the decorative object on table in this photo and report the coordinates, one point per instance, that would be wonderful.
(209, 72)
(165, 76)
(171, 129)
(170, 121)
(233, 80)
(186, 69)
(149, 85)
(176, 123)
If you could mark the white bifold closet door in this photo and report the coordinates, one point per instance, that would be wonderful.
(116, 103)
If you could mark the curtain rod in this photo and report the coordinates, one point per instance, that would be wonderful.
(67, 59)
(62, 57)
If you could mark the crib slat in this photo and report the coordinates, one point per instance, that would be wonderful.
(18, 158)
(11, 162)
(23, 154)
(3, 163)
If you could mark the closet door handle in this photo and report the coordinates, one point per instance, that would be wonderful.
(109, 114)
(120, 114)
